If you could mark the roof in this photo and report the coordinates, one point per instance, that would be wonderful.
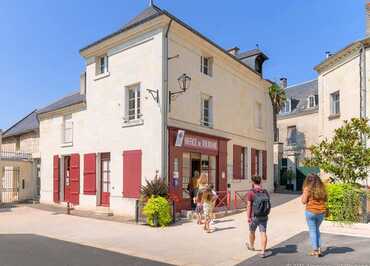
(250, 53)
(27, 124)
(342, 53)
(154, 11)
(298, 94)
(66, 101)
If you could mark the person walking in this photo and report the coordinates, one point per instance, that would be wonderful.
(193, 189)
(207, 200)
(314, 197)
(202, 182)
(258, 209)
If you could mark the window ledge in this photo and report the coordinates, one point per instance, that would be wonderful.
(334, 116)
(207, 126)
(101, 76)
(68, 144)
(132, 123)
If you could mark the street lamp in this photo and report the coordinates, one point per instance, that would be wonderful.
(184, 84)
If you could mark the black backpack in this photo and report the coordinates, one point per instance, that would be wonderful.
(261, 204)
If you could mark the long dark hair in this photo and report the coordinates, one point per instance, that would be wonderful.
(315, 186)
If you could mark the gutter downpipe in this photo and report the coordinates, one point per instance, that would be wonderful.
(164, 107)
(363, 94)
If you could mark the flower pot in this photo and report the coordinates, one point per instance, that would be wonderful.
(156, 220)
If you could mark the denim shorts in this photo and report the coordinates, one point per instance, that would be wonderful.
(261, 223)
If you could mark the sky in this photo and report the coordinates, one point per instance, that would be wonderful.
(40, 39)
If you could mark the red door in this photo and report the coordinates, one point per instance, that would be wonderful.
(67, 179)
(56, 179)
(74, 189)
(105, 179)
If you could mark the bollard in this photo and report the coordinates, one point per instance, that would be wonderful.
(137, 211)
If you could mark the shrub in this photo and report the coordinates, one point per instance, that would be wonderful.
(155, 187)
(343, 203)
(158, 211)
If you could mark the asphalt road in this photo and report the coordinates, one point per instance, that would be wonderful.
(34, 250)
(339, 250)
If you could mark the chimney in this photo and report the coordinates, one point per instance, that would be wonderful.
(234, 51)
(283, 83)
(367, 19)
(83, 83)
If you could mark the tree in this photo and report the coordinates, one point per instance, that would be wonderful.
(344, 156)
(278, 97)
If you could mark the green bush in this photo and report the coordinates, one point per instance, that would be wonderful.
(158, 211)
(343, 203)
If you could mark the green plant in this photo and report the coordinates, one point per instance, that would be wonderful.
(343, 203)
(155, 187)
(278, 97)
(158, 211)
(344, 156)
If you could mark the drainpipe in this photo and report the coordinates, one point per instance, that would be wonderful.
(363, 93)
(164, 106)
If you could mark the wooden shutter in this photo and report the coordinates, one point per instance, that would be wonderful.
(264, 165)
(236, 161)
(131, 173)
(253, 162)
(74, 195)
(90, 174)
(56, 177)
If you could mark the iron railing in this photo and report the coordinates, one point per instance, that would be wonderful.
(15, 155)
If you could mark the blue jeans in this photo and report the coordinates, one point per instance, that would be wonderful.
(314, 221)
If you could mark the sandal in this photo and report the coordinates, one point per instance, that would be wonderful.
(265, 254)
(249, 247)
(314, 253)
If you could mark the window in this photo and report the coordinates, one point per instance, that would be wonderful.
(258, 118)
(206, 116)
(286, 108)
(206, 65)
(133, 103)
(335, 103)
(102, 64)
(67, 131)
(292, 135)
(311, 101)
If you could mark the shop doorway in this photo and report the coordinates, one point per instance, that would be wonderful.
(195, 163)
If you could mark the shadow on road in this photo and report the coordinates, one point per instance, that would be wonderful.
(219, 229)
(287, 249)
(337, 250)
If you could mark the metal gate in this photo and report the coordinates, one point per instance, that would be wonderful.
(9, 184)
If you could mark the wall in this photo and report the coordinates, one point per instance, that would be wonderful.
(307, 132)
(235, 91)
(99, 126)
(29, 143)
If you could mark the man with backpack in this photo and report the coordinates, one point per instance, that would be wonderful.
(258, 209)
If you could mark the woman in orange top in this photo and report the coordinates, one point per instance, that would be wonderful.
(314, 197)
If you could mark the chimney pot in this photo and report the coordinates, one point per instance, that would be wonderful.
(283, 83)
(234, 51)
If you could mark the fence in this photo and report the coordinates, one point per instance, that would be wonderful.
(15, 155)
(223, 200)
(240, 199)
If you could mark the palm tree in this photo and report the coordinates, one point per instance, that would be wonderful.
(278, 97)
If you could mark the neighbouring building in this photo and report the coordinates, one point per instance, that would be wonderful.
(298, 128)
(20, 161)
(134, 118)
(343, 84)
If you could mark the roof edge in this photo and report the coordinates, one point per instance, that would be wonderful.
(17, 123)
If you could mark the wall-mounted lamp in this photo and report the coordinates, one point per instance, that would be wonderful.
(184, 84)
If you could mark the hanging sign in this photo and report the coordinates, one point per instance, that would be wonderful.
(197, 142)
(180, 138)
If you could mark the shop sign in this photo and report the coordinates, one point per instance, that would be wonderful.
(200, 143)
(180, 138)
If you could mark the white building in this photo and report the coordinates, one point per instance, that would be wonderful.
(126, 124)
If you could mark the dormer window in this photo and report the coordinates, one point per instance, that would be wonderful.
(287, 107)
(102, 64)
(311, 100)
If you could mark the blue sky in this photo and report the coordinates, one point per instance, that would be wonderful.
(40, 39)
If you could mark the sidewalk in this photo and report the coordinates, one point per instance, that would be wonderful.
(182, 244)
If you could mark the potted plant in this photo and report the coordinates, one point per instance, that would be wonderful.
(158, 211)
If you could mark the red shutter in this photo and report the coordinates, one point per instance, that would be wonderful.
(56, 175)
(253, 162)
(236, 161)
(90, 174)
(131, 174)
(264, 165)
(74, 195)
